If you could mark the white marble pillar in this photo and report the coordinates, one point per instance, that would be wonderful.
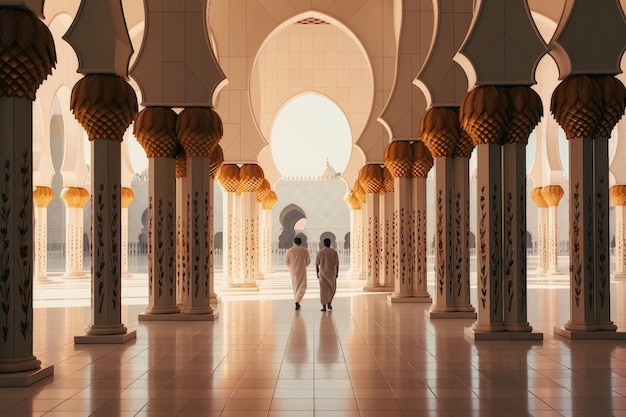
(541, 241)
(182, 266)
(18, 365)
(42, 196)
(127, 198)
(461, 196)
(387, 241)
(445, 219)
(197, 235)
(162, 232)
(489, 239)
(514, 266)
(106, 305)
(601, 243)
(372, 239)
(420, 242)
(75, 199)
(552, 194)
(405, 240)
(582, 296)
(249, 232)
(266, 241)
(355, 222)
(618, 193)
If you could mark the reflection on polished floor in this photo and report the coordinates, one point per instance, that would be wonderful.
(366, 357)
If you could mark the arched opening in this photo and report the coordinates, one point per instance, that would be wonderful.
(289, 217)
(309, 132)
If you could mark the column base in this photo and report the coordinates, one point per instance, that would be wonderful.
(127, 274)
(25, 378)
(618, 275)
(581, 327)
(74, 275)
(43, 279)
(162, 310)
(488, 327)
(501, 335)
(409, 298)
(540, 271)
(518, 327)
(357, 276)
(589, 335)
(27, 364)
(179, 317)
(241, 287)
(553, 272)
(191, 310)
(375, 288)
(450, 314)
(103, 339)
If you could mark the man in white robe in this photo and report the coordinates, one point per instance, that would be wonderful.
(327, 266)
(297, 259)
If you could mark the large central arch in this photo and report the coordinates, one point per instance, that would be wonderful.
(311, 52)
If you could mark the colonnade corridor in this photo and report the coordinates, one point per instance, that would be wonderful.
(367, 357)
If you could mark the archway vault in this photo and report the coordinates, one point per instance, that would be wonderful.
(311, 53)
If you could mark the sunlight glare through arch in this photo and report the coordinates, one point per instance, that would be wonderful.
(307, 132)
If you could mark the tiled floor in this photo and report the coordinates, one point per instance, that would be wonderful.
(366, 357)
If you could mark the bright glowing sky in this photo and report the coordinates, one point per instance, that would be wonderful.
(306, 132)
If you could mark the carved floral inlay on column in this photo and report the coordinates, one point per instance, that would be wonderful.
(449, 239)
(482, 245)
(421, 245)
(207, 241)
(522, 248)
(509, 262)
(160, 247)
(150, 247)
(440, 253)
(5, 284)
(458, 253)
(172, 243)
(601, 201)
(196, 244)
(495, 257)
(24, 282)
(576, 267)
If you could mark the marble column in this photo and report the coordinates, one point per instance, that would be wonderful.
(514, 270)
(265, 231)
(114, 116)
(75, 199)
(198, 130)
(422, 163)
(461, 197)
(371, 180)
(618, 198)
(541, 241)
(588, 129)
(127, 198)
(387, 234)
(445, 296)
(155, 129)
(419, 226)
(228, 178)
(267, 203)
(182, 266)
(355, 221)
(552, 195)
(32, 55)
(16, 237)
(42, 196)
(249, 248)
